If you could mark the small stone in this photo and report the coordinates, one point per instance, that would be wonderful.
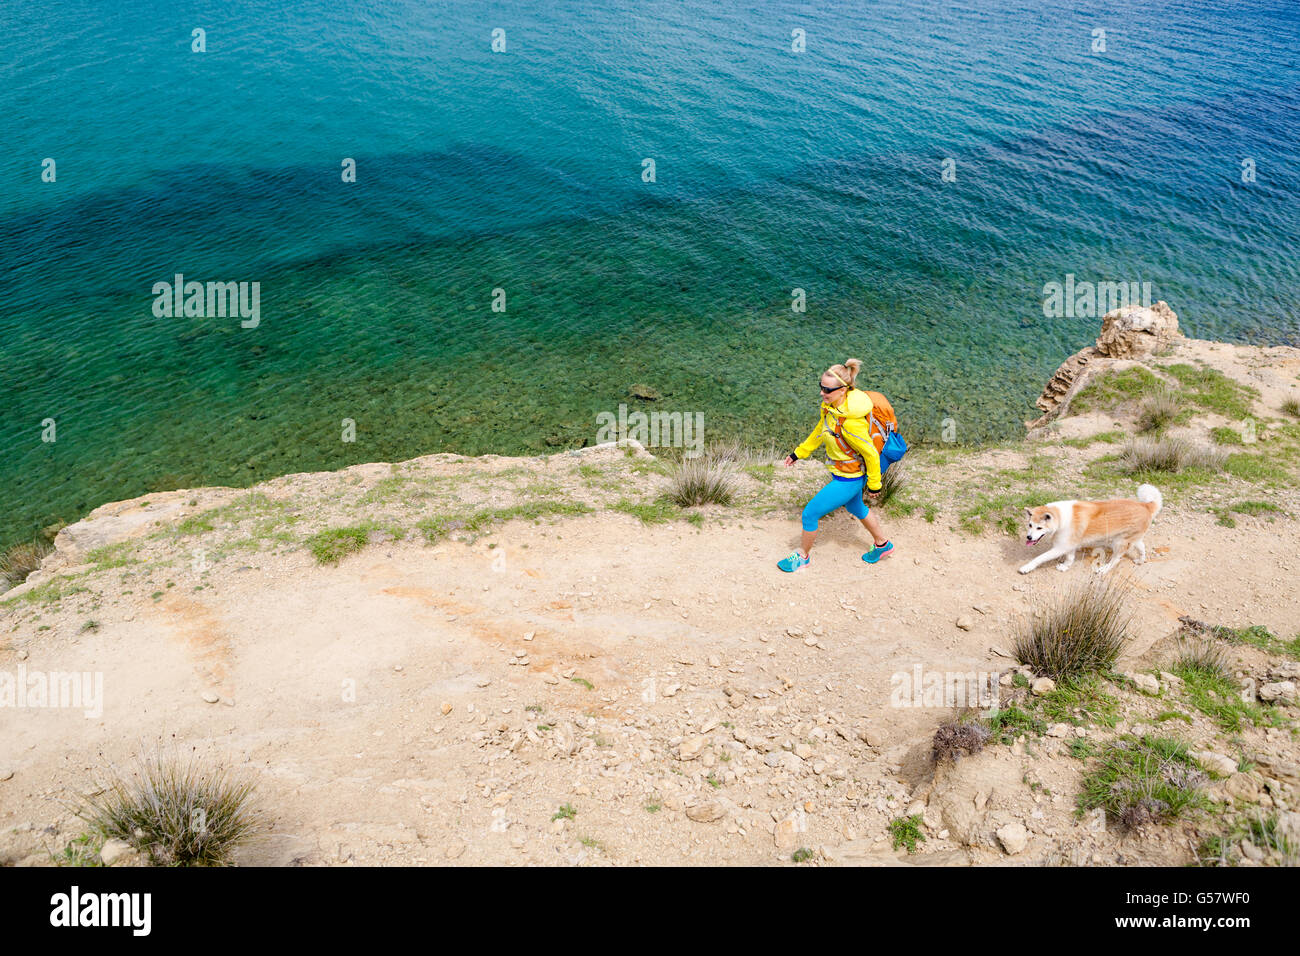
(1215, 763)
(446, 708)
(1043, 685)
(22, 655)
(529, 636)
(211, 697)
(692, 747)
(786, 833)
(1147, 684)
(6, 773)
(1058, 730)
(1014, 838)
(965, 622)
(1278, 690)
(455, 850)
(708, 812)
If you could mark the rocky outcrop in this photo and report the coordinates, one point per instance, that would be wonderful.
(1127, 333)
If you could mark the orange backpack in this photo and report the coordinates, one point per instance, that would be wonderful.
(882, 418)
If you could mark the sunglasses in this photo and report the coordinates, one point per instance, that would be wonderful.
(833, 388)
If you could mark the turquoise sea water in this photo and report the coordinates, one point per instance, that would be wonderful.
(522, 170)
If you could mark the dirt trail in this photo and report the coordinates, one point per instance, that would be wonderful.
(334, 680)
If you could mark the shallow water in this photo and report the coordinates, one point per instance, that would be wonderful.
(522, 171)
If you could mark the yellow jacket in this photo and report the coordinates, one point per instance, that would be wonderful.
(846, 434)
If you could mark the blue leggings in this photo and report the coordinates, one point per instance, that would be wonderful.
(840, 492)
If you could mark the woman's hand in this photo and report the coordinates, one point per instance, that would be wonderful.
(789, 460)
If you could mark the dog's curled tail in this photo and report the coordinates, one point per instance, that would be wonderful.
(1150, 494)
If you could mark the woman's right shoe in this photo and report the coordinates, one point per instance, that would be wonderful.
(794, 562)
(875, 554)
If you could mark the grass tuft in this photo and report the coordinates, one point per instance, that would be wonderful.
(701, 481)
(1147, 456)
(176, 813)
(1141, 781)
(1081, 634)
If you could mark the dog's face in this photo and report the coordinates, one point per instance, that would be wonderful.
(1043, 520)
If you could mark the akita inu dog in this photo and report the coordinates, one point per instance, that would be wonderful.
(1119, 524)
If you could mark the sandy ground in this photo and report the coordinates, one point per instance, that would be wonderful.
(689, 702)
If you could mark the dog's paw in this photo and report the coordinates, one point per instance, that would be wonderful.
(1026, 569)
(1063, 566)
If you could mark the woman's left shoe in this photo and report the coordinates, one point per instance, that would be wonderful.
(877, 553)
(794, 562)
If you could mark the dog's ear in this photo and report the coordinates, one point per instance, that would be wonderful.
(1029, 512)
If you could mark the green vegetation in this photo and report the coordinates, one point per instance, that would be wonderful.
(583, 682)
(1081, 748)
(1145, 780)
(1106, 437)
(650, 512)
(50, 591)
(1009, 722)
(333, 545)
(566, 812)
(1213, 391)
(1114, 388)
(113, 556)
(803, 854)
(82, 850)
(906, 832)
(1257, 468)
(1079, 700)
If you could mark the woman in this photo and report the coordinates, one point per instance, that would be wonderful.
(844, 430)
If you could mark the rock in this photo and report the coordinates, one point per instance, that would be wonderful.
(1242, 787)
(211, 696)
(872, 738)
(114, 850)
(644, 392)
(1171, 680)
(710, 811)
(1147, 684)
(1278, 691)
(1215, 763)
(6, 773)
(802, 751)
(692, 747)
(965, 622)
(1127, 333)
(1058, 730)
(445, 708)
(1014, 838)
(1288, 828)
(1043, 685)
(787, 832)
(454, 851)
(1132, 332)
